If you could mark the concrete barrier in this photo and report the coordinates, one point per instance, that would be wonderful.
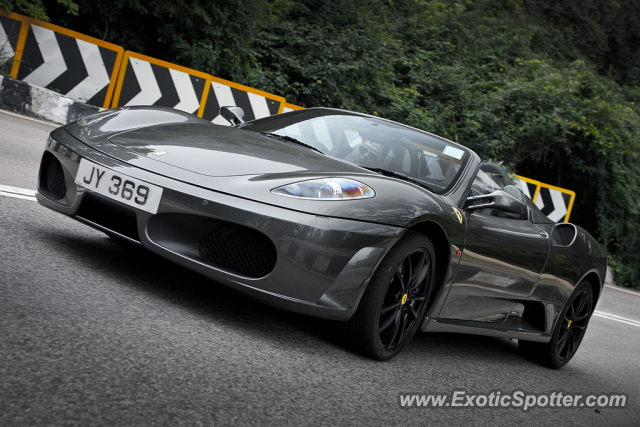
(22, 97)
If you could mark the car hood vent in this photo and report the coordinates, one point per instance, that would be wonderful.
(564, 234)
(224, 151)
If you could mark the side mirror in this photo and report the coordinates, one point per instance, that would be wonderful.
(233, 115)
(499, 199)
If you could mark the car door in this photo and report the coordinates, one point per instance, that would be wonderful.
(504, 254)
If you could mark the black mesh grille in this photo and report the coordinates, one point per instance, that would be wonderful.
(54, 178)
(239, 249)
(564, 234)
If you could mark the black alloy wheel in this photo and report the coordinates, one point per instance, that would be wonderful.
(394, 304)
(570, 329)
(404, 299)
(574, 325)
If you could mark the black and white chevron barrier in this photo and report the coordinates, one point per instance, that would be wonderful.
(9, 35)
(148, 81)
(144, 80)
(80, 67)
(255, 103)
(555, 202)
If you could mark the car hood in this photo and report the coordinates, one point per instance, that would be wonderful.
(213, 150)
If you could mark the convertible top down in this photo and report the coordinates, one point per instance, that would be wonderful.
(334, 214)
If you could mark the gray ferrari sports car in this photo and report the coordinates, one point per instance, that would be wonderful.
(334, 214)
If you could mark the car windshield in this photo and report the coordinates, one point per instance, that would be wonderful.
(372, 143)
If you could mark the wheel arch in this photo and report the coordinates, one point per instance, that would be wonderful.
(593, 279)
(442, 246)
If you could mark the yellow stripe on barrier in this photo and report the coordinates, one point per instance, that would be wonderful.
(293, 107)
(22, 39)
(540, 185)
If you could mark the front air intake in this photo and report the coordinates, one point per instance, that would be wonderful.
(564, 234)
(239, 249)
(52, 182)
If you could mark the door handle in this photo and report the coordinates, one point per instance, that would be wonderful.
(543, 234)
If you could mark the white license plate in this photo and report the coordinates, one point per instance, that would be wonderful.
(120, 187)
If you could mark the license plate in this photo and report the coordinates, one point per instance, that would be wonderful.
(120, 187)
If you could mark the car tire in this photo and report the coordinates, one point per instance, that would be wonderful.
(568, 333)
(393, 305)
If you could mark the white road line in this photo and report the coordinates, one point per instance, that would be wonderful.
(16, 190)
(17, 196)
(622, 290)
(30, 118)
(18, 193)
(617, 318)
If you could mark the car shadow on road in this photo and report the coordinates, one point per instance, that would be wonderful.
(134, 266)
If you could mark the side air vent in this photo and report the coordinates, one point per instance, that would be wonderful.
(52, 182)
(239, 249)
(563, 234)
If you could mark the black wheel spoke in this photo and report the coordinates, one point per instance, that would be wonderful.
(400, 279)
(583, 301)
(396, 327)
(388, 321)
(419, 266)
(422, 273)
(579, 318)
(425, 270)
(572, 342)
(562, 342)
(404, 328)
(408, 276)
(414, 299)
(412, 311)
(389, 307)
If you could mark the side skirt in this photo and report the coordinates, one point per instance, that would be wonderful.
(512, 327)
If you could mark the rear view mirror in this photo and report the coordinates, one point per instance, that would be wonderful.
(499, 199)
(233, 115)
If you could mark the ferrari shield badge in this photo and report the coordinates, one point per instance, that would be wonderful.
(458, 214)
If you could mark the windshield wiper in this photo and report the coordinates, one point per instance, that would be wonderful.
(290, 139)
(399, 176)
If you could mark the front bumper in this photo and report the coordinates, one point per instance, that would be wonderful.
(323, 265)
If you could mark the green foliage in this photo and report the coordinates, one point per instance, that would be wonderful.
(551, 88)
(215, 37)
(37, 9)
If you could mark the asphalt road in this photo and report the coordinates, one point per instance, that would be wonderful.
(95, 332)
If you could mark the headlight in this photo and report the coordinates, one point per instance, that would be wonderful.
(327, 189)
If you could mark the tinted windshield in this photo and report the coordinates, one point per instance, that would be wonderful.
(372, 143)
